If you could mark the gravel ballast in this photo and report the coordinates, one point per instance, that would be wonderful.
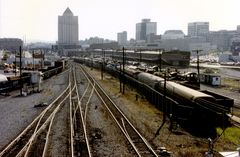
(17, 112)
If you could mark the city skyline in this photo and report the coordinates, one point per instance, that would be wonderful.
(37, 20)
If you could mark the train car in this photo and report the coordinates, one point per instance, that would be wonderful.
(149, 79)
(50, 71)
(3, 78)
(3, 84)
(12, 83)
(187, 97)
(131, 71)
(60, 63)
(187, 93)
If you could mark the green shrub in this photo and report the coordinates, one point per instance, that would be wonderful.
(231, 134)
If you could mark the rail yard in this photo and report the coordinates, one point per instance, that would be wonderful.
(85, 115)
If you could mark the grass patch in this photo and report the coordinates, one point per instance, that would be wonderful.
(231, 134)
(230, 83)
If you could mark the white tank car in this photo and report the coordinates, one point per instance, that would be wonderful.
(186, 92)
(174, 90)
(149, 79)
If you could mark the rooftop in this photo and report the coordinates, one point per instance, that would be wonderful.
(67, 12)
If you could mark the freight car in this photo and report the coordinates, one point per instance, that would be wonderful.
(3, 84)
(12, 83)
(50, 71)
(184, 95)
(149, 79)
(196, 109)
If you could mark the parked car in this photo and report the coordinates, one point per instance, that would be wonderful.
(7, 70)
(15, 70)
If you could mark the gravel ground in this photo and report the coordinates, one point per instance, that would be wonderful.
(60, 136)
(104, 136)
(17, 112)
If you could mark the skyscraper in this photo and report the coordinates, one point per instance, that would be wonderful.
(145, 28)
(122, 38)
(67, 28)
(196, 29)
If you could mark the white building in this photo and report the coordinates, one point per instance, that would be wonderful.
(122, 38)
(198, 29)
(27, 60)
(145, 28)
(173, 34)
(238, 28)
(68, 28)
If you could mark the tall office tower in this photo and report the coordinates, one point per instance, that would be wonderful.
(122, 38)
(67, 28)
(196, 29)
(145, 28)
(238, 28)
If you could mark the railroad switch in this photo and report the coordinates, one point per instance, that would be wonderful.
(79, 138)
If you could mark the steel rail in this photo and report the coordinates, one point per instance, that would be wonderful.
(116, 121)
(71, 122)
(28, 144)
(80, 100)
(49, 119)
(82, 119)
(86, 107)
(28, 128)
(121, 127)
(50, 126)
(36, 129)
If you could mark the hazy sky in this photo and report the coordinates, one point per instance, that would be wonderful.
(37, 19)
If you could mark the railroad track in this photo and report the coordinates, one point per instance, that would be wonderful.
(78, 111)
(38, 138)
(34, 139)
(235, 120)
(139, 144)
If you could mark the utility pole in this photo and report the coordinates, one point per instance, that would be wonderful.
(198, 68)
(163, 104)
(15, 63)
(123, 71)
(140, 60)
(102, 66)
(33, 60)
(91, 60)
(160, 60)
(120, 77)
(197, 51)
(21, 83)
(41, 58)
(164, 97)
(103, 60)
